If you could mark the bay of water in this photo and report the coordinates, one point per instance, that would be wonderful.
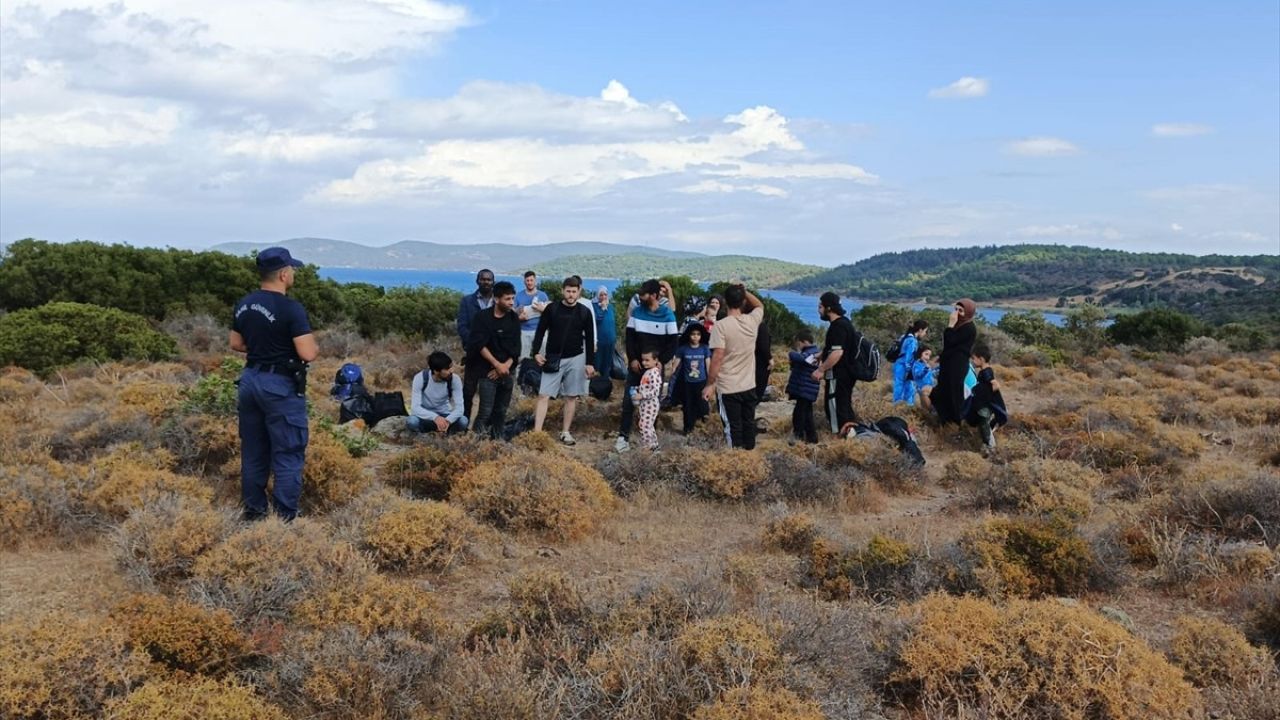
(805, 306)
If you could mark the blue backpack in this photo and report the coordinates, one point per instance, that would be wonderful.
(348, 382)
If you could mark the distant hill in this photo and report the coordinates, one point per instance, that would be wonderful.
(755, 271)
(419, 255)
(1215, 287)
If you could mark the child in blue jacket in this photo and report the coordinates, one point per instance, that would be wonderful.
(801, 386)
(923, 375)
(902, 366)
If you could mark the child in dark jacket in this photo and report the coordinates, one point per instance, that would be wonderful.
(801, 386)
(985, 407)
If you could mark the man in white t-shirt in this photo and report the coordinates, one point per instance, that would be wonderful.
(530, 302)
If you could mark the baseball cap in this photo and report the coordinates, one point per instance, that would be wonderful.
(274, 258)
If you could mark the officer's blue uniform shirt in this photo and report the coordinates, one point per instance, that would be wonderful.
(268, 322)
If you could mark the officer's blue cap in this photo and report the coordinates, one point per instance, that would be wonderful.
(274, 258)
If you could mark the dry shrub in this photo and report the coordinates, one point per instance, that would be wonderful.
(18, 384)
(1247, 411)
(41, 500)
(753, 703)
(132, 476)
(330, 477)
(539, 441)
(343, 674)
(966, 469)
(64, 667)
(636, 676)
(554, 495)
(155, 399)
(418, 535)
(491, 681)
(884, 570)
(1212, 652)
(628, 472)
(1039, 487)
(377, 605)
(1240, 507)
(967, 657)
(200, 699)
(729, 651)
(729, 474)
(538, 602)
(159, 542)
(181, 635)
(842, 454)
(1021, 557)
(798, 478)
(793, 533)
(430, 470)
(265, 569)
(1264, 616)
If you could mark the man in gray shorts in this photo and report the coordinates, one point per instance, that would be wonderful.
(569, 328)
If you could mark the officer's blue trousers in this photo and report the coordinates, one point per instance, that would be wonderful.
(273, 440)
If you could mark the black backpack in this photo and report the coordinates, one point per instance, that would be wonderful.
(600, 387)
(866, 361)
(895, 352)
(529, 376)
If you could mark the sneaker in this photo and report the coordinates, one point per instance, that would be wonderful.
(622, 445)
(567, 438)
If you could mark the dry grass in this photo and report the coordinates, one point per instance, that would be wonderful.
(968, 657)
(201, 699)
(558, 497)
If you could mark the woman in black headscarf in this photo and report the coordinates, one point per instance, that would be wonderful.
(953, 364)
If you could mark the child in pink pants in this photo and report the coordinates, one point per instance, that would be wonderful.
(647, 398)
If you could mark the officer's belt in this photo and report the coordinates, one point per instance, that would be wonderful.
(277, 369)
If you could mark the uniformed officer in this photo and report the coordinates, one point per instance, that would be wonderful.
(275, 333)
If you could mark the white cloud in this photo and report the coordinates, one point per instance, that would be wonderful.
(489, 109)
(1175, 227)
(715, 186)
(1068, 230)
(103, 127)
(520, 163)
(1168, 130)
(291, 147)
(1041, 147)
(965, 87)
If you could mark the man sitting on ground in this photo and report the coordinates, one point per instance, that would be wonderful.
(436, 399)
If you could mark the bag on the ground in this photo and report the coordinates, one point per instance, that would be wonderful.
(358, 406)
(529, 376)
(515, 426)
(618, 369)
(892, 428)
(385, 405)
(600, 387)
(347, 382)
(895, 352)
(866, 361)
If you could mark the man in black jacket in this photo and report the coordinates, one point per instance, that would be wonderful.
(493, 348)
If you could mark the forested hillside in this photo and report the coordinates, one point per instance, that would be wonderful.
(755, 271)
(1218, 288)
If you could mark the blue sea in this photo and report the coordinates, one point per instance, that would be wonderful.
(805, 306)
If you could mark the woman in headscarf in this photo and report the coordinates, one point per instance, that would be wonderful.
(953, 364)
(606, 332)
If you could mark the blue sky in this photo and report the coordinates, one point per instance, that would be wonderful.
(819, 132)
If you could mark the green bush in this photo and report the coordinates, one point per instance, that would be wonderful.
(1030, 328)
(215, 393)
(1157, 329)
(44, 338)
(419, 312)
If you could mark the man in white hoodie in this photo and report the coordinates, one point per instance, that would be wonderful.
(436, 400)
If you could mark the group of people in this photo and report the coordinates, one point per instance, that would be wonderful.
(720, 352)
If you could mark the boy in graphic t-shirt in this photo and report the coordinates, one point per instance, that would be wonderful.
(694, 356)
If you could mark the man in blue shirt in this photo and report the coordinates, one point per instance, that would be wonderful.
(275, 334)
(468, 306)
(530, 302)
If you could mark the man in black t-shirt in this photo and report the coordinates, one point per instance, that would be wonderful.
(493, 348)
(274, 333)
(836, 368)
(569, 328)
